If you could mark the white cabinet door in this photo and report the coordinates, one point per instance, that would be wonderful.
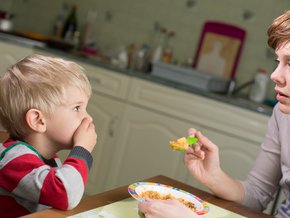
(208, 113)
(142, 149)
(107, 82)
(106, 114)
(237, 132)
(11, 53)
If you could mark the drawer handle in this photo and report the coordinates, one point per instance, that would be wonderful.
(112, 126)
(96, 80)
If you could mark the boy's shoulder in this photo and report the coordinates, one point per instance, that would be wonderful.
(15, 148)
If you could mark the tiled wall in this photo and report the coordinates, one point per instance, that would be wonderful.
(121, 22)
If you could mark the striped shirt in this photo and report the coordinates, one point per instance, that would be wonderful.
(29, 183)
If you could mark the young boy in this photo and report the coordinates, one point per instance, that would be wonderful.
(43, 104)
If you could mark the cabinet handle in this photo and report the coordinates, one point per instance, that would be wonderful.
(112, 126)
(96, 80)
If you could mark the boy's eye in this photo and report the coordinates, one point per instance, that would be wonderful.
(77, 108)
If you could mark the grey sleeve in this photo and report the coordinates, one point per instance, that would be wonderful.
(263, 179)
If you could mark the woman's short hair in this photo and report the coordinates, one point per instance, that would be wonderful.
(279, 31)
(36, 82)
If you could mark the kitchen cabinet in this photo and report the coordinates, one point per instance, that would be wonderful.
(142, 148)
(157, 114)
(136, 118)
(106, 114)
(11, 53)
(146, 115)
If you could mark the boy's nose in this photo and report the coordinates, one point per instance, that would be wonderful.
(89, 117)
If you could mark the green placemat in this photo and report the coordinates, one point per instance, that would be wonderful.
(128, 208)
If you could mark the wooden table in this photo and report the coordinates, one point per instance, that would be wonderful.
(121, 193)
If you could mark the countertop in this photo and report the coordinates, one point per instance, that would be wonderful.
(232, 100)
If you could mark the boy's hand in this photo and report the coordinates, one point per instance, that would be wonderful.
(85, 135)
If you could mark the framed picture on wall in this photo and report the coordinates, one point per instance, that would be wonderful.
(219, 49)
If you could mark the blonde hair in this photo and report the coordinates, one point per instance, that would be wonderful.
(36, 82)
(279, 31)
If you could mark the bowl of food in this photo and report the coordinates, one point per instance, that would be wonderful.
(142, 190)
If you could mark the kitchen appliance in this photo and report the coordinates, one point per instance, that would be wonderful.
(191, 77)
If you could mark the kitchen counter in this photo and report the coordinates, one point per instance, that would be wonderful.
(236, 101)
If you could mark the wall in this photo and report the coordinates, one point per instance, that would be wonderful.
(132, 21)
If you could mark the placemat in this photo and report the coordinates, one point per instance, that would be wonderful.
(128, 208)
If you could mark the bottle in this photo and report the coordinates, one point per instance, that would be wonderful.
(132, 56)
(259, 88)
(157, 53)
(76, 40)
(70, 26)
(58, 28)
(168, 50)
(142, 59)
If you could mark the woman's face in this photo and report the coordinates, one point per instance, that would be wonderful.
(281, 77)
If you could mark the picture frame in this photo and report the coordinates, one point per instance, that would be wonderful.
(219, 49)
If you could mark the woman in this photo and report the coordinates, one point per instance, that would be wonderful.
(272, 166)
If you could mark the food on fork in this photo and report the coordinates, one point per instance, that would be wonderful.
(182, 144)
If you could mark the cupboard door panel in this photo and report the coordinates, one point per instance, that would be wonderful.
(206, 112)
(142, 149)
(106, 114)
(107, 82)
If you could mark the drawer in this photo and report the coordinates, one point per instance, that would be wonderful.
(206, 112)
(107, 82)
(102, 80)
(11, 53)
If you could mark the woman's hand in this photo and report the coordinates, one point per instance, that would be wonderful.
(165, 209)
(202, 160)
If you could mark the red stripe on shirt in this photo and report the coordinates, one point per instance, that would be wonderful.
(53, 192)
(10, 208)
(12, 173)
(80, 165)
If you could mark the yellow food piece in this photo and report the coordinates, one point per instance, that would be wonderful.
(179, 144)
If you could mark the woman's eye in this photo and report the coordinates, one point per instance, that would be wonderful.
(77, 108)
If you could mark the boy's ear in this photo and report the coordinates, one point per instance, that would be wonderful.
(35, 120)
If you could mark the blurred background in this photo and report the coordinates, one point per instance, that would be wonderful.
(108, 25)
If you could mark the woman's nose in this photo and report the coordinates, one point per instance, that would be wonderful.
(277, 76)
